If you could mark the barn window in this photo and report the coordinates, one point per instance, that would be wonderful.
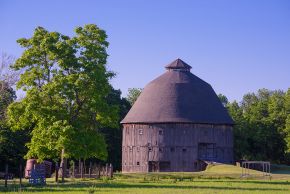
(160, 132)
(140, 131)
(172, 149)
(183, 149)
(164, 166)
(138, 163)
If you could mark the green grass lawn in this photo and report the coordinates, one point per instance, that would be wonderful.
(216, 179)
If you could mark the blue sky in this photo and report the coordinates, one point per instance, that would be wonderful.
(237, 46)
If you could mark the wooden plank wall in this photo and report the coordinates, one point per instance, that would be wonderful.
(177, 143)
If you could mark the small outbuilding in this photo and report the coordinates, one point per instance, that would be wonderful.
(177, 124)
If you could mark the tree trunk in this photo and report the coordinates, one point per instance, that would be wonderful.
(56, 172)
(79, 172)
(85, 169)
(82, 170)
(6, 174)
(63, 166)
(73, 168)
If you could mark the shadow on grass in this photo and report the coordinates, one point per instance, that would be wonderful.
(279, 172)
(84, 186)
(266, 182)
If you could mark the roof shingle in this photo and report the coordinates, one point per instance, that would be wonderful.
(178, 97)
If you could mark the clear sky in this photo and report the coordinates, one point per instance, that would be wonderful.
(237, 46)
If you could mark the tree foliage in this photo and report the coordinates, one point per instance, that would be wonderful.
(12, 143)
(261, 131)
(113, 135)
(224, 100)
(7, 96)
(66, 83)
(133, 94)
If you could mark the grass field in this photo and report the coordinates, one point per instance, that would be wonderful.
(216, 179)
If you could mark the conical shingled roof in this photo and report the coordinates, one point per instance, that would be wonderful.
(178, 96)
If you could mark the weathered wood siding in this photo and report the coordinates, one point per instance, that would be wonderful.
(174, 143)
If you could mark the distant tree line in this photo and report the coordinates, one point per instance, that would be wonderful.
(262, 126)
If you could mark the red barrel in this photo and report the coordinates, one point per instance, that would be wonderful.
(32, 163)
(29, 166)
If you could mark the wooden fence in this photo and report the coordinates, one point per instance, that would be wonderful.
(92, 171)
(9, 176)
(80, 171)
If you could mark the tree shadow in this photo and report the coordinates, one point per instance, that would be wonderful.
(83, 186)
(267, 182)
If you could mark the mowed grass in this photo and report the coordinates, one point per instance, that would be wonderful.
(216, 179)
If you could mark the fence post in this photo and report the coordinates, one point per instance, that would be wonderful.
(73, 167)
(82, 170)
(20, 174)
(79, 164)
(107, 169)
(111, 170)
(264, 168)
(99, 171)
(90, 169)
(6, 174)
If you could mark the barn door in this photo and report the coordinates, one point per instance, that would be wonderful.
(153, 166)
(207, 151)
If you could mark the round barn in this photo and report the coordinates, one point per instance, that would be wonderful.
(177, 124)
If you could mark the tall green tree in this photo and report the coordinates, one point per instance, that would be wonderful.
(66, 82)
